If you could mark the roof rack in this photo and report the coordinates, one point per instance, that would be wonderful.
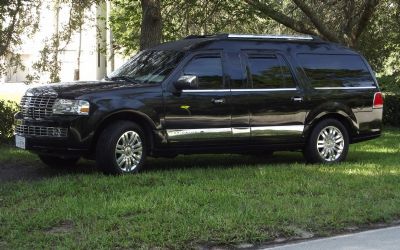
(278, 37)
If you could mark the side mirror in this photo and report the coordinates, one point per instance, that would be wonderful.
(187, 82)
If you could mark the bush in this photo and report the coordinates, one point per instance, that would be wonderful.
(390, 86)
(7, 111)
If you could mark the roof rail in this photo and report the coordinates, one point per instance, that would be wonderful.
(278, 37)
(201, 36)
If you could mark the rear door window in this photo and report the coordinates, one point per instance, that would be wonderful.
(336, 70)
(269, 71)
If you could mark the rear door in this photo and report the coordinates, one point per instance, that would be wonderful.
(277, 108)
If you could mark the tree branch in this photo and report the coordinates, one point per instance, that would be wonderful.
(289, 22)
(318, 23)
(369, 10)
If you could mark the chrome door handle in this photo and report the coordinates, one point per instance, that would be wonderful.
(297, 99)
(218, 100)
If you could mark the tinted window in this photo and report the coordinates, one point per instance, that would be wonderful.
(208, 70)
(336, 70)
(269, 72)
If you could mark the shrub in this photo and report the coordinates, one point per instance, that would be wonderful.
(7, 111)
(390, 86)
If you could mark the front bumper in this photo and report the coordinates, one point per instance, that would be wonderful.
(58, 135)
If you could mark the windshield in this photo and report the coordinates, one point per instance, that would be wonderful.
(148, 66)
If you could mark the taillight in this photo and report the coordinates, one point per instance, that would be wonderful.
(378, 101)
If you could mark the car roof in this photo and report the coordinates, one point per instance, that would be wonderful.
(225, 41)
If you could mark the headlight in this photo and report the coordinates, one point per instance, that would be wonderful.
(71, 107)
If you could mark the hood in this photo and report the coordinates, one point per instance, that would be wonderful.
(73, 90)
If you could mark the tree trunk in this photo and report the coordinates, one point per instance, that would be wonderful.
(77, 73)
(151, 27)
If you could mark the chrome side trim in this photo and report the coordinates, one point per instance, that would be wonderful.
(236, 90)
(263, 90)
(277, 130)
(241, 132)
(369, 87)
(215, 133)
(201, 133)
(204, 90)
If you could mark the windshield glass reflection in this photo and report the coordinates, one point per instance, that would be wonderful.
(148, 66)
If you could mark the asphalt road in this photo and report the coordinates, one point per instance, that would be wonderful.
(382, 239)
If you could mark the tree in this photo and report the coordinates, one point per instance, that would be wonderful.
(341, 21)
(181, 18)
(151, 26)
(19, 19)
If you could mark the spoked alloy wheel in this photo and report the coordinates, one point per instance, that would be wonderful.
(121, 148)
(327, 143)
(128, 151)
(330, 143)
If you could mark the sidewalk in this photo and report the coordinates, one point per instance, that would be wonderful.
(382, 239)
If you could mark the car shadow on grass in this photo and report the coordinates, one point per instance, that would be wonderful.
(35, 170)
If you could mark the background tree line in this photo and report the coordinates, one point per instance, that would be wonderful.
(369, 26)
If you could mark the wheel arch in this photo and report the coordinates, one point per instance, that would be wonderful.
(139, 118)
(341, 116)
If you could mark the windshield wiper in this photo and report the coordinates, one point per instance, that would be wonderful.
(124, 78)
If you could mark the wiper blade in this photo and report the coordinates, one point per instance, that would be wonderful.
(124, 78)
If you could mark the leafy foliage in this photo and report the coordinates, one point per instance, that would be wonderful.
(18, 19)
(185, 17)
(7, 111)
(390, 85)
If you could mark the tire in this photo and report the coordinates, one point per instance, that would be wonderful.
(121, 148)
(330, 150)
(58, 162)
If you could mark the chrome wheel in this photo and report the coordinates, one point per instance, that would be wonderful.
(128, 151)
(330, 143)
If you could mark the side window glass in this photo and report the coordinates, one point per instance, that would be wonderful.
(208, 70)
(269, 71)
(336, 70)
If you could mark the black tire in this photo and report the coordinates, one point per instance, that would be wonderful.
(312, 151)
(106, 154)
(58, 162)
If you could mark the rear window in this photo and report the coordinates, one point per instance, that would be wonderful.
(335, 70)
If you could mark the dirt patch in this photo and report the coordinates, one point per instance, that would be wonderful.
(63, 227)
(35, 170)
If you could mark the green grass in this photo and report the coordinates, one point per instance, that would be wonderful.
(191, 200)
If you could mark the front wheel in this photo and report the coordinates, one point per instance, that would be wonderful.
(121, 148)
(328, 142)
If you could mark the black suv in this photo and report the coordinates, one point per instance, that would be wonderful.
(248, 94)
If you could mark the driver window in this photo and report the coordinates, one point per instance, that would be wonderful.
(208, 70)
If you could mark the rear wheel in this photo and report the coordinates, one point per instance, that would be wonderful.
(121, 148)
(328, 142)
(58, 162)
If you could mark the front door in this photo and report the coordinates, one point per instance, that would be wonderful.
(202, 115)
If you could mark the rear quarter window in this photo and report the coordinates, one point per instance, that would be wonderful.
(335, 70)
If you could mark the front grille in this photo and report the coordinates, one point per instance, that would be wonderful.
(41, 131)
(37, 106)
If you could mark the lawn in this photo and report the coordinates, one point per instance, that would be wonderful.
(201, 200)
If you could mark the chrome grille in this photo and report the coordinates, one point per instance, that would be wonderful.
(37, 106)
(41, 131)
